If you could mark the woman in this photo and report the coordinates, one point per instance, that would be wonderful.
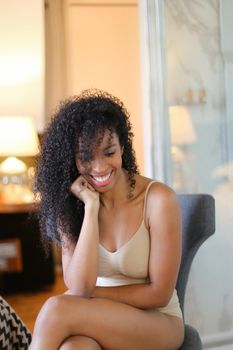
(120, 235)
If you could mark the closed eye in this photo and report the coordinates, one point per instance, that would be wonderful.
(109, 154)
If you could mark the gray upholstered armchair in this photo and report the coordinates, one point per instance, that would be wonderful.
(198, 218)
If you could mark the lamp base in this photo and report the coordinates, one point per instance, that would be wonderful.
(15, 184)
(15, 194)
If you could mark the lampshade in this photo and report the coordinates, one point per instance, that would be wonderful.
(18, 136)
(182, 131)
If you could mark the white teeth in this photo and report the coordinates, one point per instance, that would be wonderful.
(102, 178)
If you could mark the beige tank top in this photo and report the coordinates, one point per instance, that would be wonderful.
(129, 264)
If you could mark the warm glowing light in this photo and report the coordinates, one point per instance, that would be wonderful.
(18, 136)
(16, 68)
(12, 165)
(182, 131)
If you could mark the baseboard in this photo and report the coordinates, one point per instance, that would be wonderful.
(217, 339)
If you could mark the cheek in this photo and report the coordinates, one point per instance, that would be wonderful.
(82, 169)
(118, 162)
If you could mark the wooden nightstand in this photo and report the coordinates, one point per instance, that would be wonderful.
(23, 263)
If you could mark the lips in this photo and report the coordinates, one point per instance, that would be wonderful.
(102, 180)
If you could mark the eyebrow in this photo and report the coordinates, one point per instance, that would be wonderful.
(109, 146)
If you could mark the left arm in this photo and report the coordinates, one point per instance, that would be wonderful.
(164, 222)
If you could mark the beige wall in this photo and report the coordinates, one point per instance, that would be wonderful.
(99, 46)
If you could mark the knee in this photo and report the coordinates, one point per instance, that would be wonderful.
(54, 306)
(80, 342)
(70, 343)
(51, 312)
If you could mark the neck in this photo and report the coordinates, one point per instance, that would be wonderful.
(118, 194)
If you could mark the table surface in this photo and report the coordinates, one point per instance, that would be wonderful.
(6, 208)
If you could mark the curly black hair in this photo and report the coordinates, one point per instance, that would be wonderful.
(84, 117)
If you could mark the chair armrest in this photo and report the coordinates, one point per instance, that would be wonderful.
(192, 340)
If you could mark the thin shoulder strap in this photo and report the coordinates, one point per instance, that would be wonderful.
(145, 198)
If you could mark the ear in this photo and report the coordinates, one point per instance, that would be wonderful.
(122, 150)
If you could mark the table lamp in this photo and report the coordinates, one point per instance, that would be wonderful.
(182, 131)
(18, 137)
(182, 134)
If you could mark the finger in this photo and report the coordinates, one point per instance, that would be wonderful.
(90, 187)
(82, 182)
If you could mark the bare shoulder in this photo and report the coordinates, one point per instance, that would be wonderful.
(158, 194)
(159, 190)
(161, 201)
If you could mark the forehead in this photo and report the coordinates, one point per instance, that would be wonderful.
(109, 138)
(101, 140)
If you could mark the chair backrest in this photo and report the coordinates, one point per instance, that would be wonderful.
(198, 223)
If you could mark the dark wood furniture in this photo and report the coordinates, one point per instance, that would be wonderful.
(24, 265)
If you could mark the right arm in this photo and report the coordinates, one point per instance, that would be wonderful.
(80, 261)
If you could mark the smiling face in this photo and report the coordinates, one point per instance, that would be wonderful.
(105, 167)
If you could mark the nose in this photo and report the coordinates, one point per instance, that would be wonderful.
(98, 166)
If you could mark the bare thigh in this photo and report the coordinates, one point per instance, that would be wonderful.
(80, 342)
(113, 325)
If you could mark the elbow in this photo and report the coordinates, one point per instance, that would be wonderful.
(80, 289)
(162, 296)
(83, 292)
(86, 290)
(164, 300)
(165, 296)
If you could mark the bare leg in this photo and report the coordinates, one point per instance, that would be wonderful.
(113, 325)
(81, 343)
